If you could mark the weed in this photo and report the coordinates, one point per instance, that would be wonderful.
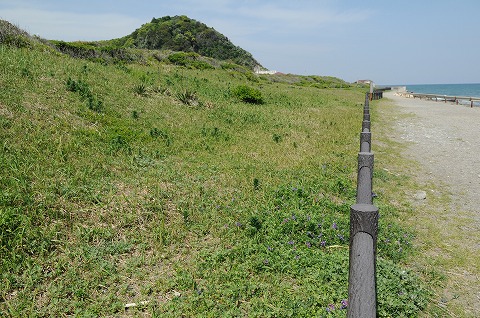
(94, 104)
(188, 97)
(256, 184)
(140, 89)
(277, 138)
(26, 72)
(83, 89)
(155, 133)
(118, 143)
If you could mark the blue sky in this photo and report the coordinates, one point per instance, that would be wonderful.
(390, 42)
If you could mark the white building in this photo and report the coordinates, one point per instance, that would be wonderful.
(260, 70)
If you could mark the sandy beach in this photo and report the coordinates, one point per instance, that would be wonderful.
(444, 139)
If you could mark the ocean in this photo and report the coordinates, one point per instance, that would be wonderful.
(464, 90)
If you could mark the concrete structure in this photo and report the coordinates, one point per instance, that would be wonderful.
(365, 81)
(259, 70)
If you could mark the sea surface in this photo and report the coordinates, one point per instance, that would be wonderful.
(464, 90)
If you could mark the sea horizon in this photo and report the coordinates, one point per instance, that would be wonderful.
(464, 90)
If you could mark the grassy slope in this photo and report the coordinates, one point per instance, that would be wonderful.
(224, 209)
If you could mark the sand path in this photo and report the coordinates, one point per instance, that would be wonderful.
(445, 139)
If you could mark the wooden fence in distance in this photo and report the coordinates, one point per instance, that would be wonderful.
(445, 98)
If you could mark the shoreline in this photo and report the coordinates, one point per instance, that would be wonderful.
(458, 100)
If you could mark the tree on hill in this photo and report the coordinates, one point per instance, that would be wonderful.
(181, 33)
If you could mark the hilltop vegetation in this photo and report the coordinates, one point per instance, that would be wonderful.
(181, 33)
(206, 191)
(195, 40)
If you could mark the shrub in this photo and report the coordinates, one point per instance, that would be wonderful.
(182, 58)
(79, 87)
(248, 94)
(190, 60)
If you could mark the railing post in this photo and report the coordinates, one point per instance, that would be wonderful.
(362, 287)
(364, 179)
(362, 283)
(366, 125)
(365, 141)
(366, 111)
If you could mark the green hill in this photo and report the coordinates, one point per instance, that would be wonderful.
(181, 33)
(189, 192)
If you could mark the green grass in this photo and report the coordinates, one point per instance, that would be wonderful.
(216, 208)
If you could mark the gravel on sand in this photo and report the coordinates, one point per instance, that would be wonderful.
(444, 139)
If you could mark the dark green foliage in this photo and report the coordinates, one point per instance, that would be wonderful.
(190, 60)
(26, 72)
(248, 94)
(140, 89)
(307, 81)
(256, 184)
(277, 138)
(96, 51)
(157, 133)
(76, 49)
(181, 33)
(83, 89)
(181, 58)
(95, 104)
(79, 87)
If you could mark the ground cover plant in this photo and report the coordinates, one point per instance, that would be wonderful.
(153, 184)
